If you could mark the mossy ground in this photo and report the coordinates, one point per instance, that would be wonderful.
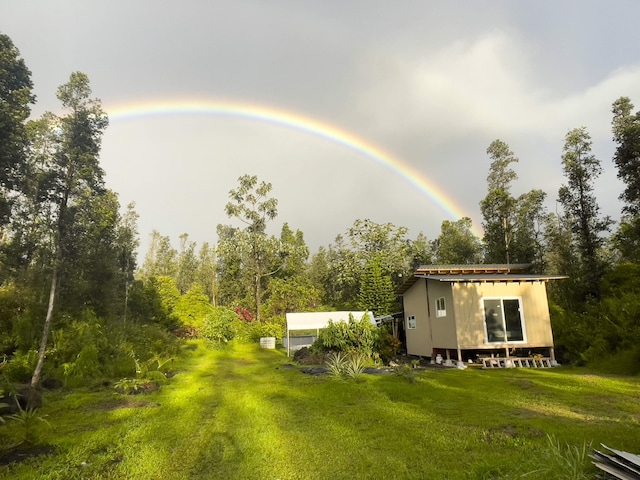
(240, 412)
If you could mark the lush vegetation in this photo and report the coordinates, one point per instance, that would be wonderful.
(242, 412)
(76, 311)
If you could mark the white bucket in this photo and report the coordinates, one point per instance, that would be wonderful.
(268, 342)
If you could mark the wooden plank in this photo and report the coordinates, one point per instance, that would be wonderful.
(623, 465)
(629, 457)
(614, 471)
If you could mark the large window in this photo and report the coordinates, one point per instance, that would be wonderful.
(503, 320)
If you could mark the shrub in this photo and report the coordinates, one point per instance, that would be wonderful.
(20, 367)
(386, 345)
(131, 386)
(349, 366)
(248, 330)
(354, 336)
(219, 325)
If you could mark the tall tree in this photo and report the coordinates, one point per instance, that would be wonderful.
(206, 274)
(511, 225)
(528, 236)
(376, 289)
(561, 258)
(15, 98)
(368, 239)
(457, 244)
(231, 286)
(499, 206)
(76, 170)
(187, 264)
(250, 204)
(127, 245)
(581, 168)
(626, 134)
(294, 252)
(420, 252)
(161, 258)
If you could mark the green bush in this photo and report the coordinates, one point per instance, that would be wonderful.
(386, 345)
(354, 336)
(20, 367)
(219, 325)
(253, 331)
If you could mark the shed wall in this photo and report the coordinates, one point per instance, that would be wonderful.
(414, 301)
(470, 313)
(444, 328)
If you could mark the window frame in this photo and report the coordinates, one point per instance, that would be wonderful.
(411, 322)
(441, 312)
(504, 320)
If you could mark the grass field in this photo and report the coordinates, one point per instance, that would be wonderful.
(244, 413)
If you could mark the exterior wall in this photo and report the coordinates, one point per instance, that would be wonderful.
(414, 302)
(463, 325)
(443, 328)
(470, 313)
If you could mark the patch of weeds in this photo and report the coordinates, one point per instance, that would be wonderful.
(133, 386)
(508, 435)
(564, 462)
(147, 379)
(405, 371)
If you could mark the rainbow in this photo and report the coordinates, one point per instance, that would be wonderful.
(297, 122)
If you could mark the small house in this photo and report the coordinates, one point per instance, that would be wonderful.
(464, 311)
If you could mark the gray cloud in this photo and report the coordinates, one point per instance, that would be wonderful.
(430, 82)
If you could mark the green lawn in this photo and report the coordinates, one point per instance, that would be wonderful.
(241, 413)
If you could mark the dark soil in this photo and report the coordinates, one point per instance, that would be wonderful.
(23, 452)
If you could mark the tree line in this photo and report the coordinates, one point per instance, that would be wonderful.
(75, 305)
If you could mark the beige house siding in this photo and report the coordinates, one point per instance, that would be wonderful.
(470, 313)
(418, 339)
(444, 328)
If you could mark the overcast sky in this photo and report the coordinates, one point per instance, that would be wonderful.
(431, 83)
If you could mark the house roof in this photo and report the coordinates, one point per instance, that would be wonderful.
(492, 268)
(475, 273)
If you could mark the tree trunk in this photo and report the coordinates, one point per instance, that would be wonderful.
(35, 379)
(126, 302)
(257, 294)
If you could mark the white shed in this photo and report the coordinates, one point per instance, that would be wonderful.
(316, 321)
